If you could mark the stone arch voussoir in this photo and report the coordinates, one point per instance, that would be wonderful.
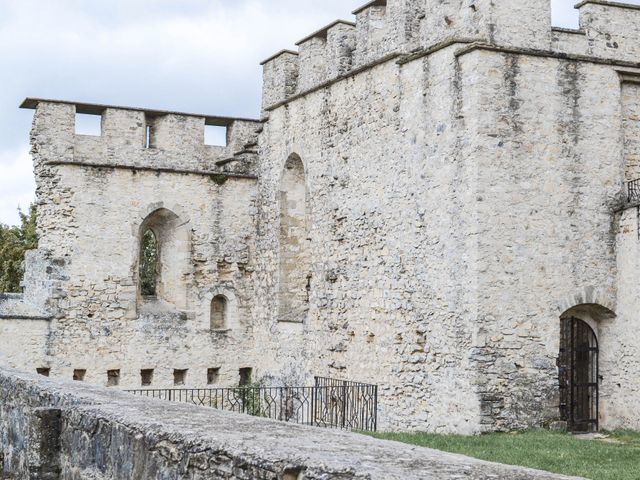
(589, 296)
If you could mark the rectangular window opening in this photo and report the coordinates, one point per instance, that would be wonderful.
(215, 136)
(88, 124)
(113, 378)
(179, 377)
(213, 375)
(44, 371)
(245, 376)
(78, 374)
(146, 376)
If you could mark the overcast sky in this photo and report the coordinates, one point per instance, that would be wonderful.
(187, 55)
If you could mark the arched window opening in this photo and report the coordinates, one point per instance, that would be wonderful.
(295, 256)
(219, 313)
(164, 258)
(148, 263)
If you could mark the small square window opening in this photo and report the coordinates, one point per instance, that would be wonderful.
(88, 124)
(215, 136)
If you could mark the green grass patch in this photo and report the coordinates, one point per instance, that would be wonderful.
(543, 450)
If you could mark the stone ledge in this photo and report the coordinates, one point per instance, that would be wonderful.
(117, 435)
(176, 171)
(546, 54)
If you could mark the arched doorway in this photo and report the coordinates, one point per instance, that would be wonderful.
(578, 372)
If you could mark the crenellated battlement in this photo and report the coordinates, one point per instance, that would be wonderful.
(331, 52)
(612, 29)
(387, 28)
(326, 53)
(142, 138)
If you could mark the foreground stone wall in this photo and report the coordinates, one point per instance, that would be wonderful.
(63, 430)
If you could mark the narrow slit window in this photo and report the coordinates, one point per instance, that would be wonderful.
(148, 263)
(148, 140)
(213, 375)
(146, 377)
(179, 377)
(150, 131)
(88, 124)
(79, 374)
(245, 376)
(44, 371)
(113, 378)
(215, 136)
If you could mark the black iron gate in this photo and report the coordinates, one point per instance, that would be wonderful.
(578, 371)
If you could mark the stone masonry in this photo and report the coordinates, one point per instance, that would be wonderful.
(430, 191)
(61, 430)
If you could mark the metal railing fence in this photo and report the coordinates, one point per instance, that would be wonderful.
(329, 403)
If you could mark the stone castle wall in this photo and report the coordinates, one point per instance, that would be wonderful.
(430, 189)
(377, 151)
(452, 189)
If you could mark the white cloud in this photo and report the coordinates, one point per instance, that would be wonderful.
(189, 55)
(17, 187)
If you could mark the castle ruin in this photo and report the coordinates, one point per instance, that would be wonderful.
(439, 198)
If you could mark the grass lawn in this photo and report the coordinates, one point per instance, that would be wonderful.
(544, 450)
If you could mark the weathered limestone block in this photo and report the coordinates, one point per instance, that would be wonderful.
(374, 33)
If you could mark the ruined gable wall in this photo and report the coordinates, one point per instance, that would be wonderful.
(103, 312)
(93, 195)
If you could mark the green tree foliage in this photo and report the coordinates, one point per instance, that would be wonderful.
(148, 263)
(14, 241)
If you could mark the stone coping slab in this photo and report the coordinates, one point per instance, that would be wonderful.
(170, 439)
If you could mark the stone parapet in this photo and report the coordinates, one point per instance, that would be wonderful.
(67, 430)
(142, 138)
(383, 28)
